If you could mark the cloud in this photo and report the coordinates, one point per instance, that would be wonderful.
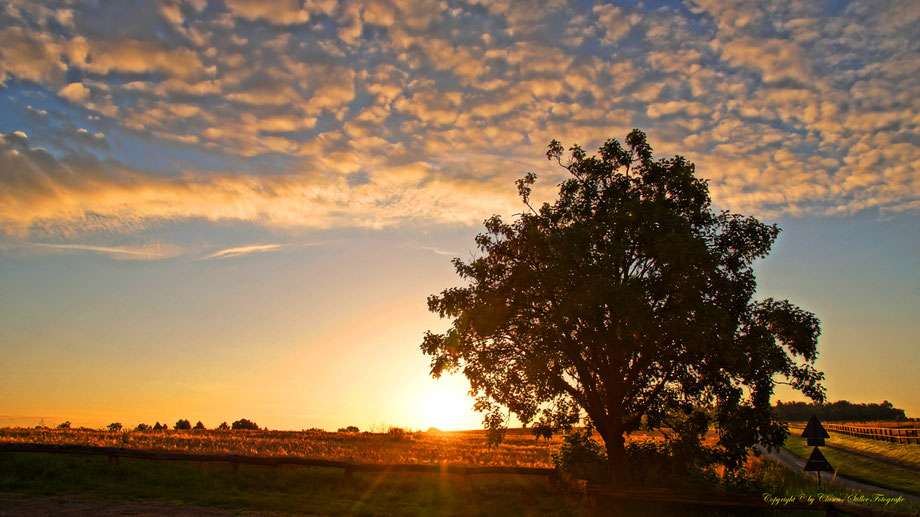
(296, 114)
(284, 12)
(74, 92)
(244, 250)
(70, 196)
(152, 251)
(140, 57)
(439, 251)
(774, 59)
(30, 56)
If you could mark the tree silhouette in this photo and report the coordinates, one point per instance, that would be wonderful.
(115, 427)
(628, 300)
(182, 425)
(244, 424)
(199, 426)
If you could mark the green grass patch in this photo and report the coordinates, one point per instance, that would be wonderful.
(302, 490)
(861, 468)
(906, 453)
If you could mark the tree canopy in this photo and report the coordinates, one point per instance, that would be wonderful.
(842, 410)
(246, 424)
(629, 300)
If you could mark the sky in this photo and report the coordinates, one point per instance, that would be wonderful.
(225, 209)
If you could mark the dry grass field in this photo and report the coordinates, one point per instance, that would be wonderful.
(519, 449)
(458, 447)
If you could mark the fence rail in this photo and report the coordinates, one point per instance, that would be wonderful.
(888, 434)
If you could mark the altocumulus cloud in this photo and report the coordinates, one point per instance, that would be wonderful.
(788, 106)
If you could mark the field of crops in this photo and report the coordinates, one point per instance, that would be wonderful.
(519, 448)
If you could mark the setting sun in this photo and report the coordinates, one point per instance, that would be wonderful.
(445, 409)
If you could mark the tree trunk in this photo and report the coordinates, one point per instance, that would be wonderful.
(616, 459)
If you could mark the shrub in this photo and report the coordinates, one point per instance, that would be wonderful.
(397, 433)
(159, 427)
(223, 426)
(582, 457)
(182, 425)
(115, 427)
(142, 427)
(64, 425)
(349, 429)
(245, 424)
(199, 425)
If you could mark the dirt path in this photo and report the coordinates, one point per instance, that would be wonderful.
(15, 505)
(786, 458)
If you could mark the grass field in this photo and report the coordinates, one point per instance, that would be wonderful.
(904, 453)
(860, 468)
(289, 489)
(907, 454)
(519, 448)
(459, 447)
(297, 490)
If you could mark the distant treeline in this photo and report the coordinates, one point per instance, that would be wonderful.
(839, 411)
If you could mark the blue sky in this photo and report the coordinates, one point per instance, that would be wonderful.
(237, 208)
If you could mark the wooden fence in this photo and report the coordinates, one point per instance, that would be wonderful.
(888, 434)
(594, 498)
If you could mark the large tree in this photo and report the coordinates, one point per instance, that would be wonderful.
(628, 297)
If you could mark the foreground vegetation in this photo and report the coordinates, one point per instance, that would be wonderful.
(905, 454)
(519, 448)
(286, 490)
(397, 446)
(864, 469)
(325, 491)
(305, 490)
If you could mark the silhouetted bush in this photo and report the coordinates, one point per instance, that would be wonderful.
(64, 425)
(114, 427)
(142, 427)
(199, 426)
(397, 433)
(582, 457)
(182, 425)
(349, 429)
(245, 424)
(223, 426)
(159, 427)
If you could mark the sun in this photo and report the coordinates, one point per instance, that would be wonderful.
(444, 408)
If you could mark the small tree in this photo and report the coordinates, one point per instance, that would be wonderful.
(143, 427)
(182, 425)
(223, 426)
(245, 424)
(199, 426)
(114, 427)
(64, 425)
(349, 429)
(631, 301)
